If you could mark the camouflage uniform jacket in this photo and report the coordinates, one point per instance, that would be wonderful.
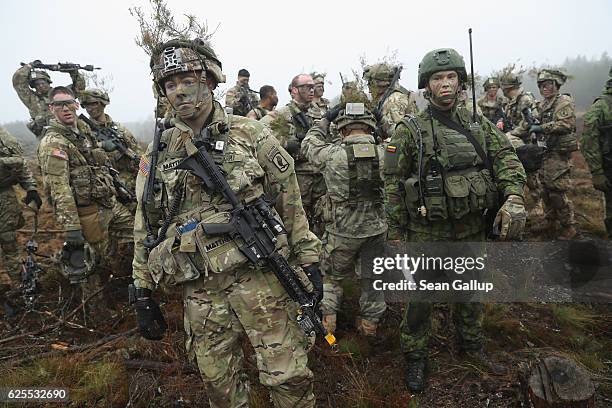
(254, 163)
(467, 185)
(257, 113)
(13, 167)
(558, 118)
(400, 103)
(37, 104)
(294, 130)
(235, 99)
(493, 110)
(514, 113)
(74, 172)
(366, 218)
(126, 167)
(596, 139)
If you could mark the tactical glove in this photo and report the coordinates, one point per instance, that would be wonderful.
(536, 129)
(32, 195)
(150, 319)
(601, 183)
(333, 113)
(510, 219)
(108, 145)
(312, 271)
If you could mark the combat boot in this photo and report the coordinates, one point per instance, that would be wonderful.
(329, 322)
(366, 327)
(416, 374)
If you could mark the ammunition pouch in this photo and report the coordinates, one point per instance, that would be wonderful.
(192, 253)
(91, 187)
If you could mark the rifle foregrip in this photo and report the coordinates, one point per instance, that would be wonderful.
(217, 229)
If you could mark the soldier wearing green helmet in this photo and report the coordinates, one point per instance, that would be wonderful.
(596, 146)
(400, 101)
(445, 164)
(225, 297)
(95, 102)
(319, 90)
(491, 104)
(353, 210)
(556, 131)
(32, 87)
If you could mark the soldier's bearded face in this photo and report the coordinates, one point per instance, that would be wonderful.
(243, 81)
(443, 87)
(94, 109)
(319, 90)
(41, 86)
(304, 90)
(188, 94)
(377, 87)
(64, 107)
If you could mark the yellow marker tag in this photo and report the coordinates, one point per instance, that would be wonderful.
(330, 339)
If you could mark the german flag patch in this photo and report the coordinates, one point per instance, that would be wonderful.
(391, 148)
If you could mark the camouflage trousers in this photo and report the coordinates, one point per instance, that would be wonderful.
(343, 256)
(11, 219)
(551, 183)
(312, 188)
(255, 304)
(117, 226)
(415, 328)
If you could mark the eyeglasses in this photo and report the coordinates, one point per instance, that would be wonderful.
(308, 87)
(61, 104)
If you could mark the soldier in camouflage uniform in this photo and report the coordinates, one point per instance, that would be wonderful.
(491, 104)
(240, 97)
(557, 128)
(95, 101)
(32, 87)
(13, 171)
(516, 125)
(267, 103)
(401, 102)
(319, 90)
(596, 146)
(289, 124)
(224, 296)
(80, 188)
(459, 189)
(354, 213)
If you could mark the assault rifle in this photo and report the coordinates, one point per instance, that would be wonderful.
(124, 194)
(257, 228)
(111, 133)
(30, 270)
(61, 66)
(533, 137)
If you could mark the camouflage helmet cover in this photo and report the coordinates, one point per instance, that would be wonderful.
(177, 56)
(318, 77)
(361, 115)
(552, 75)
(510, 81)
(36, 75)
(493, 81)
(379, 72)
(94, 95)
(443, 59)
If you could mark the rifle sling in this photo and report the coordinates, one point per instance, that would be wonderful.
(446, 121)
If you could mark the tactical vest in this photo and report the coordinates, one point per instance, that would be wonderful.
(513, 115)
(564, 143)
(90, 182)
(463, 185)
(365, 184)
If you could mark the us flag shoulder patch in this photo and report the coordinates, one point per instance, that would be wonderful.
(391, 149)
(144, 166)
(59, 153)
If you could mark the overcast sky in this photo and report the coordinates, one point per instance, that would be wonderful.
(275, 40)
